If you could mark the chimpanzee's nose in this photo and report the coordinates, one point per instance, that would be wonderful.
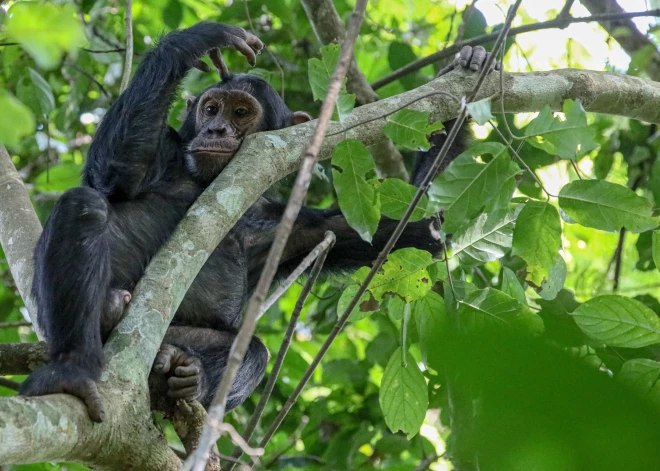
(218, 129)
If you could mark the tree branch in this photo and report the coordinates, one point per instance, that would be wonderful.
(19, 230)
(329, 28)
(625, 32)
(559, 22)
(128, 59)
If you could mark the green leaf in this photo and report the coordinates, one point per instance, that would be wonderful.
(537, 238)
(512, 287)
(480, 111)
(395, 197)
(58, 178)
(606, 206)
(618, 321)
(36, 92)
(486, 239)
(569, 138)
(490, 308)
(643, 376)
(404, 273)
(403, 396)
(173, 14)
(320, 71)
(364, 307)
(45, 30)
(358, 200)
(16, 119)
(656, 248)
(430, 316)
(409, 129)
(467, 187)
(551, 286)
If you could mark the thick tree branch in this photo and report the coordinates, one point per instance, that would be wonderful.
(329, 28)
(626, 33)
(19, 230)
(450, 51)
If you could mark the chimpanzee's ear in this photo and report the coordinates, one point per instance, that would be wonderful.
(190, 101)
(299, 117)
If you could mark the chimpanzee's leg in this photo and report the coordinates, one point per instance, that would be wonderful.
(72, 276)
(192, 360)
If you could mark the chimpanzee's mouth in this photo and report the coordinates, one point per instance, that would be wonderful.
(215, 151)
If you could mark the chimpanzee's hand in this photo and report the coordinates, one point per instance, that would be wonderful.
(186, 375)
(69, 378)
(237, 38)
(471, 58)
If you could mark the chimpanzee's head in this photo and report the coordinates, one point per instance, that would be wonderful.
(221, 116)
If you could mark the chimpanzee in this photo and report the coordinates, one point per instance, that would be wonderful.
(139, 179)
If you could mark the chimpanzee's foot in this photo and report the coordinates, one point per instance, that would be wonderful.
(186, 378)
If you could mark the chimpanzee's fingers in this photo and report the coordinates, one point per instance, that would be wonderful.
(201, 65)
(163, 358)
(464, 56)
(89, 393)
(254, 42)
(191, 392)
(241, 46)
(190, 370)
(478, 58)
(176, 382)
(216, 57)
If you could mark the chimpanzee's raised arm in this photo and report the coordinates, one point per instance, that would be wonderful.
(133, 143)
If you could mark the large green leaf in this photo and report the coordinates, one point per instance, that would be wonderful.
(357, 198)
(512, 287)
(606, 206)
(45, 30)
(537, 238)
(16, 119)
(618, 321)
(404, 273)
(643, 376)
(490, 308)
(430, 317)
(58, 178)
(568, 138)
(403, 396)
(36, 92)
(409, 129)
(486, 239)
(395, 197)
(467, 187)
(320, 71)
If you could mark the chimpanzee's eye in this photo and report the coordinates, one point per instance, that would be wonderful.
(241, 111)
(211, 110)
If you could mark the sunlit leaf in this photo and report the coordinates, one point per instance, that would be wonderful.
(320, 71)
(404, 273)
(551, 286)
(363, 308)
(403, 395)
(606, 206)
(512, 287)
(618, 321)
(486, 239)
(16, 119)
(409, 129)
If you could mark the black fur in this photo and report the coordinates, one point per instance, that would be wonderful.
(136, 189)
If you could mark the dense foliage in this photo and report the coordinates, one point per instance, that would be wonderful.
(534, 343)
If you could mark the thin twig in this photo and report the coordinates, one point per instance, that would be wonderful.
(103, 51)
(270, 53)
(423, 188)
(11, 325)
(618, 259)
(9, 384)
(89, 76)
(241, 343)
(320, 253)
(128, 59)
(295, 274)
(486, 38)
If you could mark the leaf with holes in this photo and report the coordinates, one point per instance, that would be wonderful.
(490, 308)
(468, 186)
(320, 71)
(395, 197)
(568, 138)
(537, 238)
(358, 199)
(404, 273)
(606, 206)
(486, 239)
(409, 129)
(403, 395)
(618, 321)
(364, 307)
